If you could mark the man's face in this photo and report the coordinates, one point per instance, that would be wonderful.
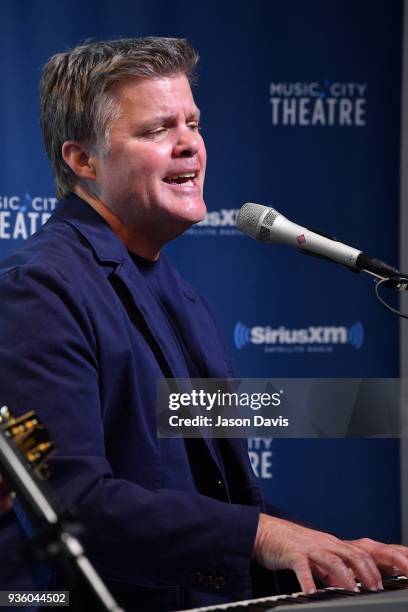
(153, 174)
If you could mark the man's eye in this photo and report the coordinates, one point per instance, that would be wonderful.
(157, 132)
(194, 125)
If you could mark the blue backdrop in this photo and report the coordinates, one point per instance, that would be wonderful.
(301, 104)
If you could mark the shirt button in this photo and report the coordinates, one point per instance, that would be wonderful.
(196, 577)
(207, 580)
(219, 583)
(220, 483)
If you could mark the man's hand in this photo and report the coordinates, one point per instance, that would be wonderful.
(280, 544)
(5, 497)
(391, 560)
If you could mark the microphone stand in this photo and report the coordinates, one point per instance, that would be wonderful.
(58, 537)
(382, 273)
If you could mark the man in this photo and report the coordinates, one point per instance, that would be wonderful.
(93, 315)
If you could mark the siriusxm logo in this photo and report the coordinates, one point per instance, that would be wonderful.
(225, 217)
(312, 335)
(217, 223)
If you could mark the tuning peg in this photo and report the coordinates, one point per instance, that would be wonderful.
(5, 414)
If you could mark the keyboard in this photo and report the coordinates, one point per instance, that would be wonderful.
(394, 598)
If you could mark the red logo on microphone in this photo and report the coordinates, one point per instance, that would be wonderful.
(301, 239)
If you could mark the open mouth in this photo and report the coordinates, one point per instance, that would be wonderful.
(187, 179)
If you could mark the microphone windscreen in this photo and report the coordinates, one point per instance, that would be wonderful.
(248, 218)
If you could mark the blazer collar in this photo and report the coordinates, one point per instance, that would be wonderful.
(109, 249)
(106, 245)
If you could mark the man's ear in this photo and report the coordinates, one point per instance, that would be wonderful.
(78, 158)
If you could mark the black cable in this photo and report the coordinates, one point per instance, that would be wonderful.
(383, 302)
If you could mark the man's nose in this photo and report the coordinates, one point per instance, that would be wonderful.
(188, 142)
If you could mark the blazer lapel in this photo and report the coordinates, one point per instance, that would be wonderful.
(154, 318)
(113, 256)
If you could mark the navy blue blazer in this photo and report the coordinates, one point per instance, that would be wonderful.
(83, 343)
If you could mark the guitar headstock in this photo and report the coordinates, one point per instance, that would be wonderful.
(31, 437)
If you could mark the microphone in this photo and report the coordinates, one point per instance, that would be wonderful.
(268, 225)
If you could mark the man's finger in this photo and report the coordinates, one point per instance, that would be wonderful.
(301, 567)
(327, 578)
(392, 558)
(364, 567)
(336, 569)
